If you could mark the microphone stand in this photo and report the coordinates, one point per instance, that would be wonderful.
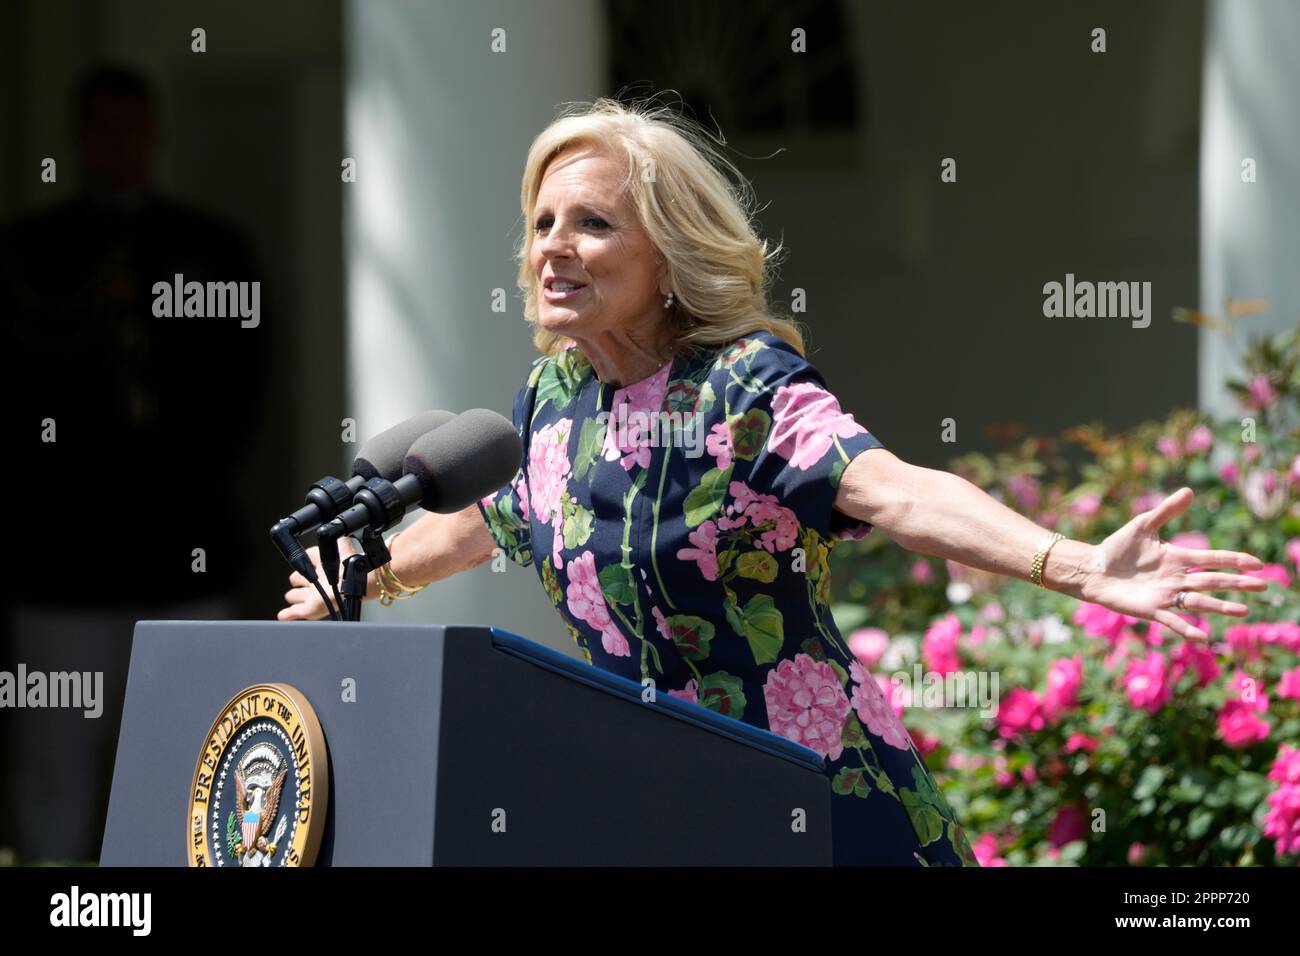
(374, 555)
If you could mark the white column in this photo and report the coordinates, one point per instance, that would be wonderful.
(1250, 232)
(439, 126)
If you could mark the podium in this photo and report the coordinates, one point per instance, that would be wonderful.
(464, 746)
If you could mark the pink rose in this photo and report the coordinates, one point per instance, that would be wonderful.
(868, 644)
(1288, 686)
(1282, 822)
(1146, 502)
(1069, 824)
(1168, 447)
(806, 704)
(1196, 540)
(1099, 621)
(806, 420)
(705, 552)
(1277, 573)
(939, 646)
(1245, 689)
(1195, 656)
(1228, 473)
(1260, 393)
(986, 851)
(1136, 853)
(1293, 551)
(586, 602)
(1021, 711)
(1085, 506)
(1240, 724)
(1079, 741)
(873, 709)
(921, 571)
(1027, 491)
(1198, 440)
(1064, 678)
(1146, 682)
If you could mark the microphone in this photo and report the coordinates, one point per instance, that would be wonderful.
(446, 470)
(380, 457)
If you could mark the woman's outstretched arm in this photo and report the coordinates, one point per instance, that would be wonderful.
(1133, 571)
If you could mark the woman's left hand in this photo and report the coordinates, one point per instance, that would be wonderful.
(1136, 573)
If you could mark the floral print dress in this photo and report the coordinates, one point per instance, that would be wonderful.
(685, 536)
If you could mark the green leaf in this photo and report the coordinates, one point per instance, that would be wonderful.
(1148, 782)
(925, 818)
(691, 635)
(1199, 823)
(706, 498)
(590, 442)
(749, 433)
(616, 584)
(763, 628)
(853, 735)
(758, 565)
(846, 781)
(723, 693)
(578, 523)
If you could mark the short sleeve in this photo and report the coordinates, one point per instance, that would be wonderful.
(506, 510)
(798, 438)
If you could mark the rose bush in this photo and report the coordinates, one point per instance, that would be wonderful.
(1115, 741)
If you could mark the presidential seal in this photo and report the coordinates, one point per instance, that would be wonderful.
(261, 786)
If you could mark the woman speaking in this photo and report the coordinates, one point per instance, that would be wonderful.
(687, 474)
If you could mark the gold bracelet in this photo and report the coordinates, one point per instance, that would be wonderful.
(400, 591)
(1040, 559)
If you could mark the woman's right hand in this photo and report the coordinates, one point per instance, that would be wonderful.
(302, 599)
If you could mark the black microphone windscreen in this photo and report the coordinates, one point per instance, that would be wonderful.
(468, 458)
(382, 455)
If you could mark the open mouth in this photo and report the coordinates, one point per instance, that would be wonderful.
(559, 289)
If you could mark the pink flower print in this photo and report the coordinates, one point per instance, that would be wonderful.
(548, 467)
(869, 702)
(806, 420)
(763, 510)
(806, 704)
(705, 552)
(718, 444)
(689, 693)
(586, 602)
(634, 420)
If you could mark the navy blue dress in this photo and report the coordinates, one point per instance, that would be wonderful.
(683, 527)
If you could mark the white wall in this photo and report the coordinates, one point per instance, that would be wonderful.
(1250, 232)
(439, 126)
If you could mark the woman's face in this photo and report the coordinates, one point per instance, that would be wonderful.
(595, 267)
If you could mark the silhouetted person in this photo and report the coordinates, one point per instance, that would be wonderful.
(150, 415)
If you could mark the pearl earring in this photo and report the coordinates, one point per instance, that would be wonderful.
(668, 302)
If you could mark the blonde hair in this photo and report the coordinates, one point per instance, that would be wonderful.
(695, 217)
